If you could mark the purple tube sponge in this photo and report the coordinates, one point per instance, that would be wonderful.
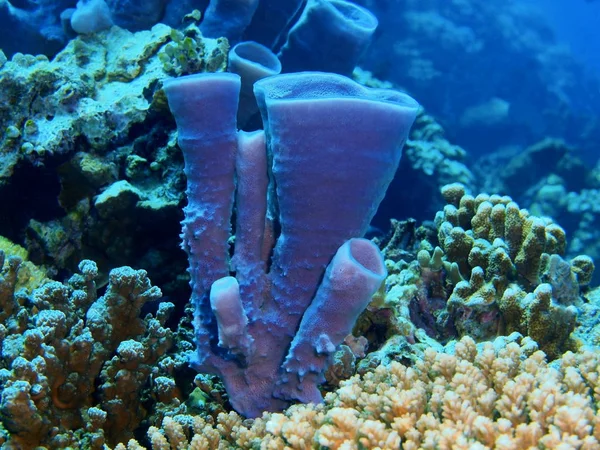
(232, 321)
(252, 62)
(333, 147)
(272, 19)
(355, 273)
(330, 36)
(249, 261)
(205, 108)
(227, 18)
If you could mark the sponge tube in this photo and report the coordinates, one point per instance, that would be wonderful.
(251, 211)
(335, 148)
(227, 18)
(251, 61)
(272, 19)
(353, 276)
(205, 107)
(330, 36)
(231, 318)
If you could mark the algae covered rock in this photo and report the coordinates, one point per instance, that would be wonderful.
(93, 119)
(91, 93)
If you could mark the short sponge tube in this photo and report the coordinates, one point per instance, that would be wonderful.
(232, 321)
(252, 62)
(330, 36)
(352, 277)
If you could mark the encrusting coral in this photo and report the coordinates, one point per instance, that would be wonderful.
(501, 395)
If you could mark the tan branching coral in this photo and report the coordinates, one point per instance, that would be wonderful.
(468, 226)
(492, 395)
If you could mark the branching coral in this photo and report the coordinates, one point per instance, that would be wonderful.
(430, 153)
(71, 361)
(497, 269)
(496, 395)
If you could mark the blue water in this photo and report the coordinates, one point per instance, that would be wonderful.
(576, 25)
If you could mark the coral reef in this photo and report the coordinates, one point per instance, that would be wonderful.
(518, 172)
(189, 52)
(484, 335)
(37, 25)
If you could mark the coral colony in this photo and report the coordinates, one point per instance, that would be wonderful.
(315, 313)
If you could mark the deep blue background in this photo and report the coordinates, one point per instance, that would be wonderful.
(577, 24)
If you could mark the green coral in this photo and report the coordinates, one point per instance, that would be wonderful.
(539, 315)
(29, 275)
(189, 53)
(468, 228)
(506, 254)
(490, 269)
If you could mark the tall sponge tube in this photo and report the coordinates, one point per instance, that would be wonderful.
(330, 35)
(335, 147)
(205, 110)
(228, 18)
